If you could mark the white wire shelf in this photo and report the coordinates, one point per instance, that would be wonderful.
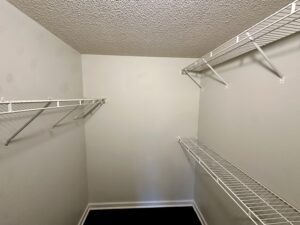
(82, 108)
(275, 27)
(260, 204)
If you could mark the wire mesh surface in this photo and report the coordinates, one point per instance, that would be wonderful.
(261, 205)
(15, 116)
(279, 25)
(12, 107)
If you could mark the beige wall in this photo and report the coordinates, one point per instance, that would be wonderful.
(255, 125)
(42, 174)
(132, 151)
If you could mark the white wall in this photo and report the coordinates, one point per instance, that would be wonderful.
(255, 125)
(132, 151)
(42, 174)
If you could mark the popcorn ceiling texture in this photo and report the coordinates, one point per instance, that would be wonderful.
(167, 28)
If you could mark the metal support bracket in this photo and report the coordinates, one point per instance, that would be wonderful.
(26, 124)
(219, 78)
(65, 116)
(267, 59)
(193, 79)
(84, 115)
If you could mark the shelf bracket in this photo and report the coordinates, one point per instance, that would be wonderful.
(267, 59)
(65, 116)
(26, 124)
(193, 79)
(219, 78)
(97, 104)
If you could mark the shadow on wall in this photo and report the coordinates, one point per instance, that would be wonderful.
(47, 125)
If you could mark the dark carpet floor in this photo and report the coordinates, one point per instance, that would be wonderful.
(145, 216)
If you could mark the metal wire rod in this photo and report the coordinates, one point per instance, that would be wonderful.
(243, 176)
(260, 204)
(58, 105)
(248, 189)
(17, 107)
(48, 100)
(65, 116)
(278, 25)
(26, 124)
(85, 114)
(197, 83)
(258, 35)
(38, 109)
(219, 78)
(92, 110)
(267, 59)
(232, 195)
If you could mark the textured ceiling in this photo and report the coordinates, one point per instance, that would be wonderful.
(185, 28)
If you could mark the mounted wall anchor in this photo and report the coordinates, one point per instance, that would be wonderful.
(197, 82)
(267, 59)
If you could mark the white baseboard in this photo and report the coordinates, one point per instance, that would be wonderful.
(84, 215)
(145, 204)
(199, 214)
(128, 205)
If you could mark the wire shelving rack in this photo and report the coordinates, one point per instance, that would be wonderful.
(82, 108)
(281, 24)
(259, 203)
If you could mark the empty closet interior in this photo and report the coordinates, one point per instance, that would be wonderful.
(149, 112)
